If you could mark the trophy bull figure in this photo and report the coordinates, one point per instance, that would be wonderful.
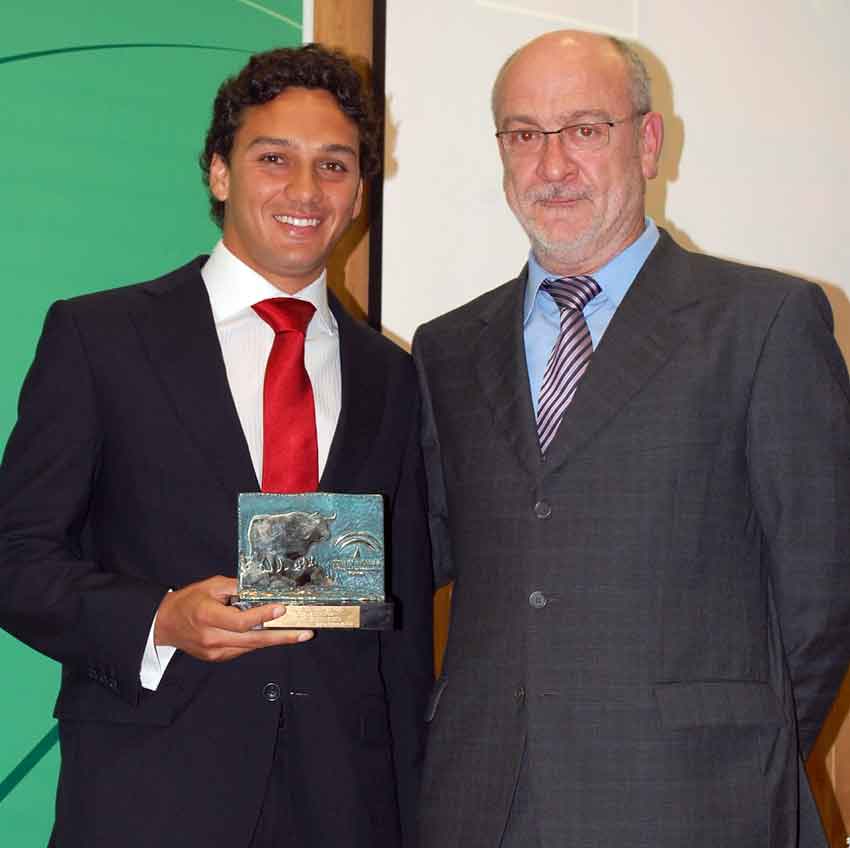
(279, 543)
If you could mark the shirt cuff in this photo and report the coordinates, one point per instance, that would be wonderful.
(155, 661)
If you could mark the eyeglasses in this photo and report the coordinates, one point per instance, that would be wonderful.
(578, 138)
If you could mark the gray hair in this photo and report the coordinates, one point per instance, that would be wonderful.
(638, 75)
(639, 80)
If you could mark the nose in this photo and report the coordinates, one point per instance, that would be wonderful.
(303, 185)
(556, 163)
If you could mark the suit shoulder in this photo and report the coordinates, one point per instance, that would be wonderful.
(469, 314)
(371, 350)
(723, 278)
(395, 359)
(124, 295)
(678, 277)
(743, 276)
(386, 348)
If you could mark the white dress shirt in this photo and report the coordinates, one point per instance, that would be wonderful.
(246, 341)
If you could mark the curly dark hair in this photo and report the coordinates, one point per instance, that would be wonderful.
(265, 76)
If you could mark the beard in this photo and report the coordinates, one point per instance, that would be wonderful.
(582, 243)
(564, 249)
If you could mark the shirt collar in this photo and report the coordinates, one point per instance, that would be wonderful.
(233, 288)
(614, 277)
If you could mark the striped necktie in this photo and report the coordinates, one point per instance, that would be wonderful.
(570, 356)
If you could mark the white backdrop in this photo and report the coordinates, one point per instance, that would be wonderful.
(756, 158)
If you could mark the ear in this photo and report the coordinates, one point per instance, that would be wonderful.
(651, 141)
(358, 200)
(219, 178)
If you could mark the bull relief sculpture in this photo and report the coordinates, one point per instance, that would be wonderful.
(278, 547)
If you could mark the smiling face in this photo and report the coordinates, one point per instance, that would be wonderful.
(580, 209)
(291, 187)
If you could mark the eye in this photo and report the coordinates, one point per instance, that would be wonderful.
(523, 137)
(273, 158)
(587, 133)
(335, 167)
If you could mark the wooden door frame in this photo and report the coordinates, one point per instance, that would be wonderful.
(358, 27)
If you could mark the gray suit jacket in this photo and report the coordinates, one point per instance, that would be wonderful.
(661, 608)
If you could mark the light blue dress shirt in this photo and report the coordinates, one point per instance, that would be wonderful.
(541, 316)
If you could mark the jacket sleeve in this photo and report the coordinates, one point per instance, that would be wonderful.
(798, 454)
(407, 651)
(54, 594)
(438, 511)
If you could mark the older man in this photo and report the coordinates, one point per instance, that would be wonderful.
(640, 484)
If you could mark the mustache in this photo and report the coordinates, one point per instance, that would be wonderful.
(554, 192)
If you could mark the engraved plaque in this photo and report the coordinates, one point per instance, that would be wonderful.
(319, 553)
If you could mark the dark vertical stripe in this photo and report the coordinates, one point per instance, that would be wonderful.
(376, 187)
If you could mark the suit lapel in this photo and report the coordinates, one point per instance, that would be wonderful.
(503, 375)
(176, 327)
(363, 399)
(641, 337)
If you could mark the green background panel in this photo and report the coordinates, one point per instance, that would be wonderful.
(101, 133)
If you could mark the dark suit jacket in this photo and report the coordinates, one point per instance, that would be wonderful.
(661, 607)
(119, 481)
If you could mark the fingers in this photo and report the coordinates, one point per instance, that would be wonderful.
(221, 587)
(216, 645)
(241, 621)
(198, 620)
(216, 613)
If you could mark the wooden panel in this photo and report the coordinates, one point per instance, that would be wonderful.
(829, 769)
(442, 615)
(347, 25)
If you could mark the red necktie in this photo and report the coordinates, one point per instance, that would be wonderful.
(290, 447)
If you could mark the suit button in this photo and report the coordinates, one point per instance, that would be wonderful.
(271, 692)
(542, 509)
(537, 600)
(519, 694)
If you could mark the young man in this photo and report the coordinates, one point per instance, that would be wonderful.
(141, 420)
